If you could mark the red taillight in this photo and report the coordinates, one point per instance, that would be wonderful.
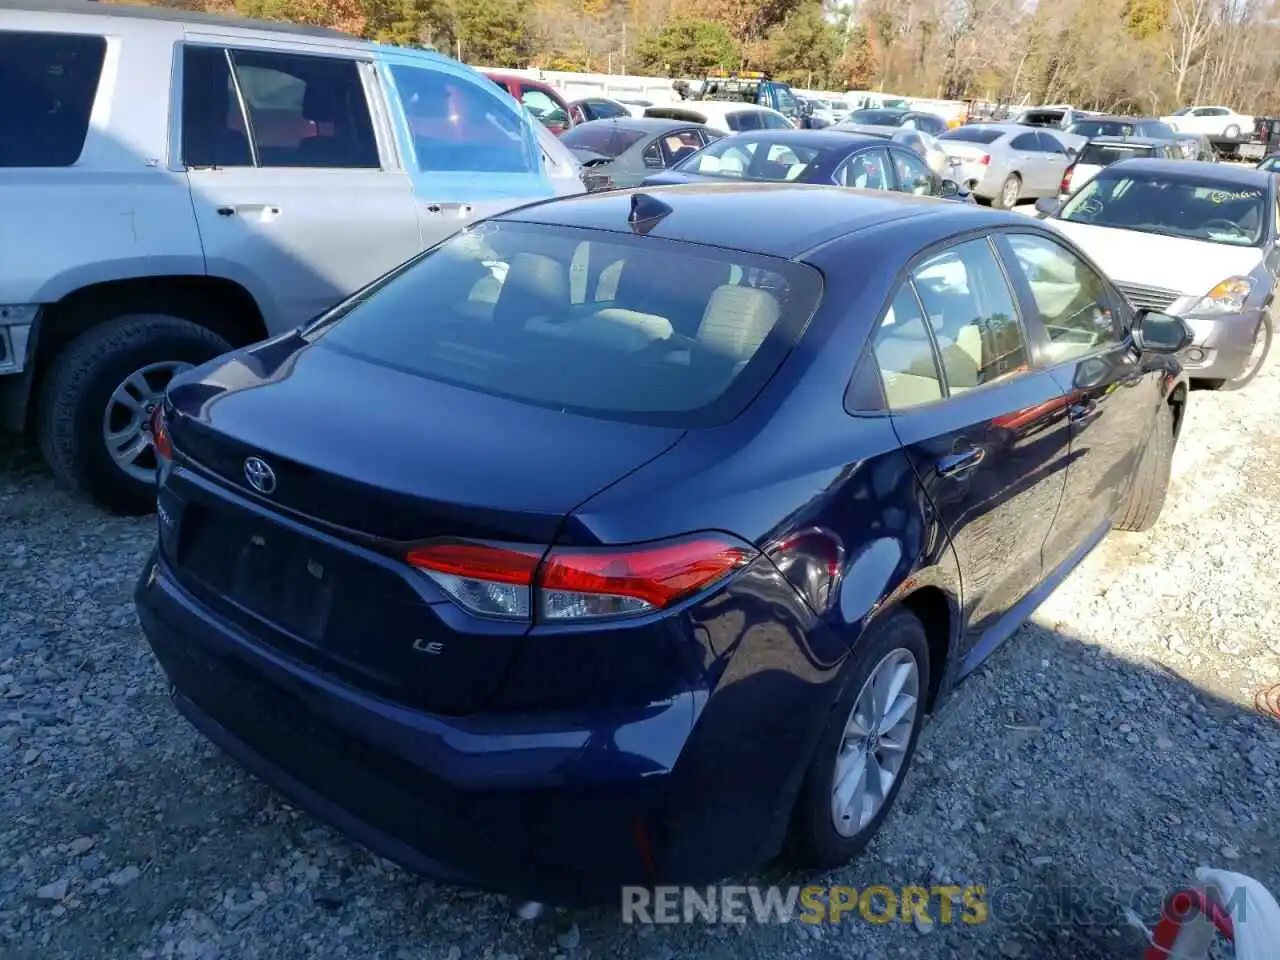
(571, 583)
(1065, 186)
(985, 160)
(160, 434)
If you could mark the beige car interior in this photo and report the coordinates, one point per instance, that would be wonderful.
(734, 323)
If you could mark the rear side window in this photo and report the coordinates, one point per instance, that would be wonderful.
(459, 125)
(279, 110)
(746, 120)
(48, 83)
(606, 139)
(651, 331)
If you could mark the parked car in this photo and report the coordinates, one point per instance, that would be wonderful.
(599, 108)
(870, 121)
(541, 99)
(1010, 163)
(1214, 122)
(1106, 126)
(722, 115)
(1191, 239)
(1101, 152)
(707, 623)
(195, 213)
(621, 153)
(811, 156)
(1196, 146)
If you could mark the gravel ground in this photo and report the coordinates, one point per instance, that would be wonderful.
(1107, 750)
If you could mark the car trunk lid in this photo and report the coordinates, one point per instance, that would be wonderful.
(366, 460)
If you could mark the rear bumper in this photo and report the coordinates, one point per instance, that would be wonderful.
(1221, 346)
(562, 809)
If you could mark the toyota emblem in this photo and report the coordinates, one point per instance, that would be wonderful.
(260, 475)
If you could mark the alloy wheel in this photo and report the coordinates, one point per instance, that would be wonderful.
(875, 742)
(126, 421)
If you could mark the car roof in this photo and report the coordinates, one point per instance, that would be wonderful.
(1198, 171)
(801, 217)
(95, 8)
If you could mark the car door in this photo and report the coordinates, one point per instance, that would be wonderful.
(470, 150)
(298, 189)
(984, 430)
(1029, 162)
(1081, 326)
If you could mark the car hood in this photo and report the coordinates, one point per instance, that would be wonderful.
(1191, 267)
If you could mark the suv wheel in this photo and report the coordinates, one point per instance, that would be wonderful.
(93, 416)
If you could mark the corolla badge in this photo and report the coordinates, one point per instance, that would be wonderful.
(260, 475)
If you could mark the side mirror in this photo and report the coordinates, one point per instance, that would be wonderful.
(948, 188)
(1048, 206)
(1072, 152)
(1156, 332)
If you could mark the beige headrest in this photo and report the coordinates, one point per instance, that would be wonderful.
(737, 320)
(535, 285)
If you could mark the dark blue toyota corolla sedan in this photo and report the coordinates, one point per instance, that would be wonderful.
(629, 538)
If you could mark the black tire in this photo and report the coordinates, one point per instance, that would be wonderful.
(1244, 377)
(76, 390)
(999, 199)
(1151, 483)
(814, 842)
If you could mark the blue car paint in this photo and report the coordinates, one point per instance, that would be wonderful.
(451, 185)
(683, 763)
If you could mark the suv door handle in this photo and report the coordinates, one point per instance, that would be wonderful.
(957, 463)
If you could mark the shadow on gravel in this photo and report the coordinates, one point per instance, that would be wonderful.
(1068, 783)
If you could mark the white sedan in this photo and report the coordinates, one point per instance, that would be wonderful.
(1211, 121)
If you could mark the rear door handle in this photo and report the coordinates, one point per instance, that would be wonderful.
(262, 211)
(957, 463)
(1083, 412)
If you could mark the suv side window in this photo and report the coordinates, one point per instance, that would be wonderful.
(1073, 301)
(306, 111)
(48, 83)
(213, 125)
(971, 311)
(457, 125)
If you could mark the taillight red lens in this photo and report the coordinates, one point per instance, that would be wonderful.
(160, 434)
(1065, 186)
(600, 583)
(985, 159)
(515, 582)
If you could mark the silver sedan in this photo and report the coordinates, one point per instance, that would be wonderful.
(1009, 162)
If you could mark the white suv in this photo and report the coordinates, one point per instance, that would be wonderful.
(176, 184)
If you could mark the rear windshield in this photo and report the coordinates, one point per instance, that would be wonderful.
(747, 157)
(1103, 154)
(616, 326)
(605, 138)
(877, 118)
(1101, 128)
(973, 134)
